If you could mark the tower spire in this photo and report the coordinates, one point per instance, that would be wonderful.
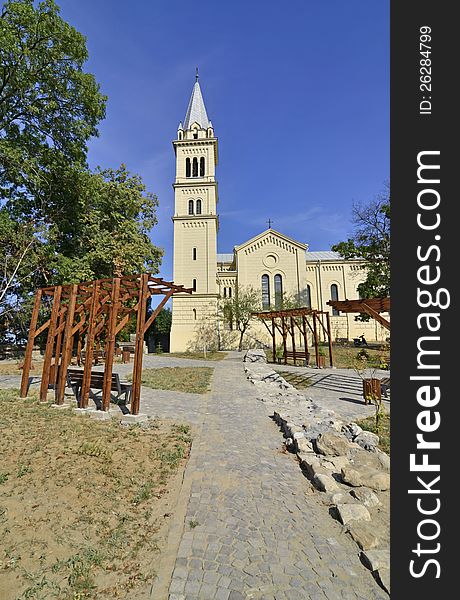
(196, 111)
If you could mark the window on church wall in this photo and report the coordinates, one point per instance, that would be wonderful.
(194, 314)
(195, 167)
(190, 207)
(194, 253)
(265, 292)
(195, 135)
(229, 292)
(278, 291)
(187, 167)
(198, 207)
(202, 166)
(335, 296)
(225, 292)
(308, 296)
(194, 285)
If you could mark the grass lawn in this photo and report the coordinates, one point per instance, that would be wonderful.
(194, 380)
(346, 357)
(197, 355)
(83, 503)
(368, 424)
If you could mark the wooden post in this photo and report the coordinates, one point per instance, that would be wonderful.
(273, 340)
(50, 344)
(283, 324)
(329, 337)
(110, 344)
(79, 345)
(66, 345)
(372, 391)
(305, 339)
(139, 346)
(57, 348)
(30, 345)
(85, 385)
(315, 335)
(293, 340)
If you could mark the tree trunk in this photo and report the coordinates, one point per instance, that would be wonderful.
(240, 345)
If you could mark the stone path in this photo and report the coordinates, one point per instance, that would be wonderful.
(251, 528)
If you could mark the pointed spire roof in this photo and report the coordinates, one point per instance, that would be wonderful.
(196, 111)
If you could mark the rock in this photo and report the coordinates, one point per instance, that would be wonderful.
(367, 440)
(351, 430)
(384, 579)
(352, 512)
(303, 445)
(331, 444)
(365, 476)
(335, 463)
(376, 559)
(362, 534)
(365, 496)
(325, 483)
(374, 460)
(312, 465)
(255, 355)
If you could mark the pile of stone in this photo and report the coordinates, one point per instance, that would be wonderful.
(342, 461)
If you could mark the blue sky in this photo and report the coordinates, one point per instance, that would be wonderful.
(298, 93)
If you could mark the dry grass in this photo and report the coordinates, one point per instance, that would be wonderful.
(10, 367)
(82, 503)
(197, 355)
(194, 380)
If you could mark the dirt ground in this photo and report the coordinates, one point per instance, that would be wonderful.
(84, 505)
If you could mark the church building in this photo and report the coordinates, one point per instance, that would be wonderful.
(271, 262)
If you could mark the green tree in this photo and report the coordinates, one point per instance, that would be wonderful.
(371, 242)
(237, 310)
(49, 107)
(60, 222)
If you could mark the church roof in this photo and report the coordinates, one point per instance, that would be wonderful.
(196, 111)
(324, 255)
(225, 258)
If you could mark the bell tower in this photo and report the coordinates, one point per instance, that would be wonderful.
(195, 222)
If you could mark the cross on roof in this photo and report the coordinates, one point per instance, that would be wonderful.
(269, 223)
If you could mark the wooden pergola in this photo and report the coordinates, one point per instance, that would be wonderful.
(370, 306)
(94, 312)
(287, 321)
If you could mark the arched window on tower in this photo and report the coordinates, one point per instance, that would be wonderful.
(188, 171)
(194, 253)
(190, 207)
(202, 166)
(194, 285)
(335, 296)
(198, 207)
(308, 296)
(195, 167)
(278, 291)
(265, 292)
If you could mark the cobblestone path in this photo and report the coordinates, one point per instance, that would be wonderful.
(251, 530)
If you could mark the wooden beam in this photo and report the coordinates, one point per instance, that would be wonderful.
(315, 338)
(273, 332)
(85, 385)
(293, 339)
(110, 344)
(139, 345)
(375, 315)
(30, 345)
(50, 344)
(329, 337)
(66, 346)
(157, 310)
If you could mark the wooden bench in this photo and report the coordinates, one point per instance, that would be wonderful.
(98, 355)
(385, 385)
(299, 355)
(122, 388)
